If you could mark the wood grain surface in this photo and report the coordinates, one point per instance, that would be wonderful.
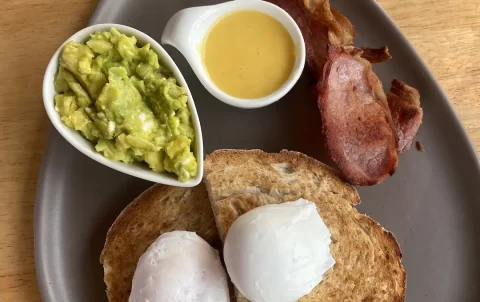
(444, 32)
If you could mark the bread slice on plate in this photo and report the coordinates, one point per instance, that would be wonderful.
(368, 258)
(158, 210)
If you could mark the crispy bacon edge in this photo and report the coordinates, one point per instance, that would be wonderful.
(376, 55)
(407, 115)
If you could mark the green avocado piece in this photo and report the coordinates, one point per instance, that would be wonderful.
(113, 152)
(155, 160)
(82, 96)
(78, 59)
(179, 159)
(66, 104)
(80, 121)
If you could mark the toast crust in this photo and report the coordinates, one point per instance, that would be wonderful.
(368, 258)
(158, 210)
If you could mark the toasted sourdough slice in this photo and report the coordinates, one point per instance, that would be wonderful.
(158, 210)
(368, 259)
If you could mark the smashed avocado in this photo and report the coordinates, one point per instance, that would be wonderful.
(118, 95)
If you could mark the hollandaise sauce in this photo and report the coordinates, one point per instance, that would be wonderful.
(248, 54)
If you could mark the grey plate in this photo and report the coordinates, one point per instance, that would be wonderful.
(431, 203)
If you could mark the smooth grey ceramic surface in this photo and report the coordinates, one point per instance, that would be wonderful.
(431, 203)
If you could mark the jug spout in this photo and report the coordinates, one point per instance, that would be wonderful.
(181, 29)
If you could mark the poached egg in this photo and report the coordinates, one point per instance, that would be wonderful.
(180, 267)
(278, 253)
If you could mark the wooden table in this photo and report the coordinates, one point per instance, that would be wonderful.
(444, 32)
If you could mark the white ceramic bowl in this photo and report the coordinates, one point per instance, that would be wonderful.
(186, 31)
(86, 147)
